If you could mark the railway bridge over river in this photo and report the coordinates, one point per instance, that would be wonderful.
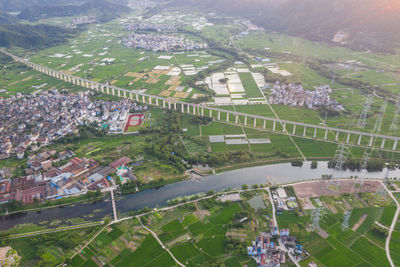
(292, 128)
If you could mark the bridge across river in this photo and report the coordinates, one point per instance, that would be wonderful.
(298, 129)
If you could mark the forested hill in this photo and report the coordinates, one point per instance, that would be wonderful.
(6, 18)
(18, 5)
(365, 24)
(103, 9)
(33, 36)
(15, 33)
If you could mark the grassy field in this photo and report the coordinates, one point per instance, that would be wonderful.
(199, 241)
(17, 78)
(85, 55)
(250, 85)
(363, 246)
(283, 43)
(89, 47)
(51, 249)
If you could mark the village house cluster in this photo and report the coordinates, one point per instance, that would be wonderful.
(29, 122)
(47, 182)
(296, 96)
(158, 27)
(268, 251)
(84, 20)
(161, 42)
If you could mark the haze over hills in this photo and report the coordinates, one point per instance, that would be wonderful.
(104, 9)
(7, 18)
(33, 36)
(18, 5)
(14, 33)
(361, 24)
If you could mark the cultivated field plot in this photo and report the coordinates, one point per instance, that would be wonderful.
(222, 138)
(354, 241)
(196, 235)
(316, 189)
(17, 78)
(97, 54)
(299, 46)
(236, 86)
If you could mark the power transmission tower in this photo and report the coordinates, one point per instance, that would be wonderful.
(316, 216)
(341, 154)
(393, 126)
(364, 113)
(381, 193)
(333, 77)
(346, 218)
(378, 123)
(369, 150)
(150, 120)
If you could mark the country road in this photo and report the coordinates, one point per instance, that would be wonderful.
(281, 245)
(55, 230)
(392, 226)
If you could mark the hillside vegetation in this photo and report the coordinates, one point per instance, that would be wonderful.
(103, 9)
(366, 24)
(15, 33)
(33, 37)
(18, 5)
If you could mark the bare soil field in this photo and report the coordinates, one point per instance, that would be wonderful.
(360, 221)
(323, 188)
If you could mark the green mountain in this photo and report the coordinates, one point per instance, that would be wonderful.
(27, 36)
(18, 5)
(105, 10)
(7, 19)
(33, 37)
(361, 24)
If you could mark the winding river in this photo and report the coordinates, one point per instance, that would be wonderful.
(278, 173)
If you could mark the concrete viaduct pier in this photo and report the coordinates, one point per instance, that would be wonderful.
(297, 129)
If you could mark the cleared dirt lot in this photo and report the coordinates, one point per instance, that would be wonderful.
(324, 188)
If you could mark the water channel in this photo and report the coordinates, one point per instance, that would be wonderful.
(277, 173)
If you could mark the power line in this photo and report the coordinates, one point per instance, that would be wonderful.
(369, 150)
(393, 126)
(364, 113)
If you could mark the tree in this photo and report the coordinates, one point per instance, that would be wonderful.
(245, 187)
(107, 220)
(297, 163)
(314, 164)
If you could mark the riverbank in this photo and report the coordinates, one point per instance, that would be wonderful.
(68, 201)
(254, 164)
(281, 173)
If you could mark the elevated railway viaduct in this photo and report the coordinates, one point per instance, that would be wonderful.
(292, 128)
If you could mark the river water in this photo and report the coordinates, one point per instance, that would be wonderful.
(278, 173)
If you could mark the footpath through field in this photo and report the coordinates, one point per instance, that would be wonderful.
(161, 243)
